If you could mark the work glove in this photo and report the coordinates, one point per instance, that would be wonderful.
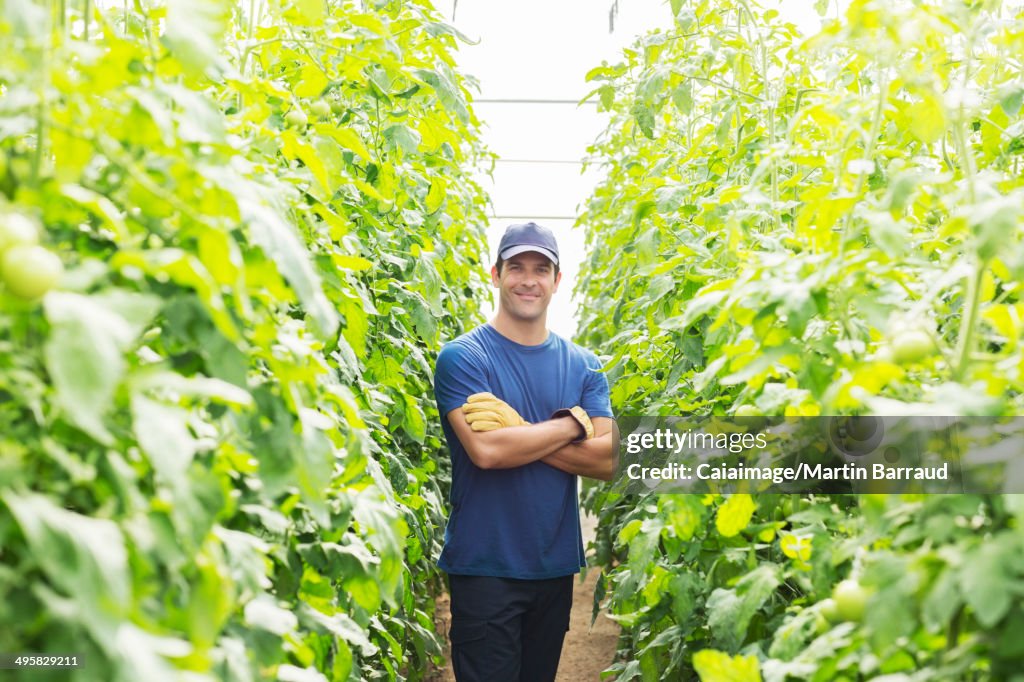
(484, 412)
(581, 417)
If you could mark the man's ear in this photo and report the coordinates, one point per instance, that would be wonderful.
(495, 278)
(558, 278)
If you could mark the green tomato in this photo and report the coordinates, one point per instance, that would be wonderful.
(911, 346)
(821, 624)
(320, 108)
(747, 411)
(30, 271)
(296, 118)
(17, 229)
(336, 106)
(830, 609)
(850, 597)
(750, 417)
(787, 506)
(861, 428)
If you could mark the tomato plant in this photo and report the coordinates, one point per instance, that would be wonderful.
(219, 455)
(29, 271)
(797, 226)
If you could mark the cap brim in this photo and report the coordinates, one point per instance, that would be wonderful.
(516, 250)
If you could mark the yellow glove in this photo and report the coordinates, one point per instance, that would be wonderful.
(581, 417)
(484, 412)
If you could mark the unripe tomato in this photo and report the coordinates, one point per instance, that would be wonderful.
(821, 624)
(30, 271)
(787, 506)
(750, 417)
(336, 106)
(830, 610)
(320, 108)
(861, 428)
(850, 597)
(912, 345)
(17, 229)
(296, 118)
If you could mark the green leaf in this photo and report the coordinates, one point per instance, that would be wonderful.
(198, 119)
(734, 515)
(987, 579)
(414, 423)
(307, 12)
(193, 31)
(730, 611)
(404, 138)
(685, 515)
(356, 263)
(280, 242)
(263, 613)
(162, 432)
(717, 666)
(84, 558)
(644, 118)
(295, 147)
(364, 590)
(447, 92)
(436, 195)
(926, 119)
(682, 97)
(84, 351)
(347, 138)
(314, 463)
(1010, 98)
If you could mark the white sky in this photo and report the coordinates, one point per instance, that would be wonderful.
(534, 49)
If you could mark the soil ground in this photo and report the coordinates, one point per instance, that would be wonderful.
(587, 650)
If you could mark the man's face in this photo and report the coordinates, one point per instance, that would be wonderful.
(526, 284)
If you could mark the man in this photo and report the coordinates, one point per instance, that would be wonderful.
(524, 412)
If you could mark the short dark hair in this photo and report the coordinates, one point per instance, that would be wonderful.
(501, 261)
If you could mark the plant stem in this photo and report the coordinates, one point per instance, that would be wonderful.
(967, 326)
(869, 151)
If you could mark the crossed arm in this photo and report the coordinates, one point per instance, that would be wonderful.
(549, 442)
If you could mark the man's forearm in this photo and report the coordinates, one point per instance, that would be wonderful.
(593, 458)
(515, 446)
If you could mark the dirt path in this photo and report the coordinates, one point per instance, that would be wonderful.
(587, 651)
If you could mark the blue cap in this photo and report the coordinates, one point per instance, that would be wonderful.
(523, 237)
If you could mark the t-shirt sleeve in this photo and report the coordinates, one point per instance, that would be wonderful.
(457, 375)
(596, 400)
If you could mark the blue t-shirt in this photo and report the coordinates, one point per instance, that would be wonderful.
(521, 522)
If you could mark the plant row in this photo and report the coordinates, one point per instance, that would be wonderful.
(812, 226)
(233, 233)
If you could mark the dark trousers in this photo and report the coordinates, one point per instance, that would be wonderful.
(506, 630)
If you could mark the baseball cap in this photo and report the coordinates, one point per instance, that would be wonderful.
(523, 237)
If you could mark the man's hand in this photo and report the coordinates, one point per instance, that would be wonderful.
(581, 417)
(595, 457)
(485, 412)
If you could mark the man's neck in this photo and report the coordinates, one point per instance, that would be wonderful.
(523, 332)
